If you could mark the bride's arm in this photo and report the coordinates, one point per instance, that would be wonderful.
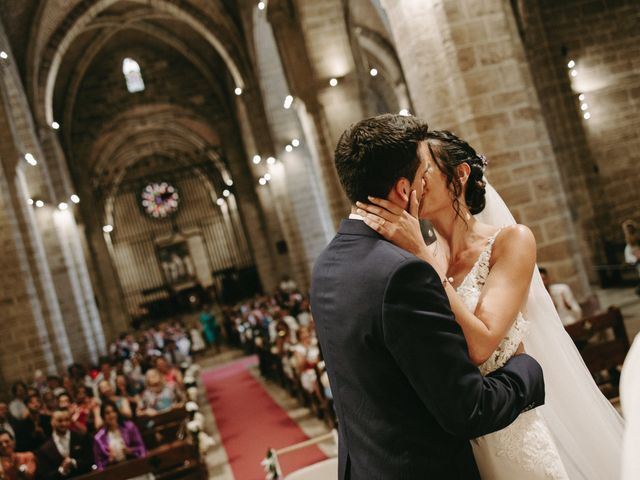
(502, 296)
(506, 287)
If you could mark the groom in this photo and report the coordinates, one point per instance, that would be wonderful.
(407, 396)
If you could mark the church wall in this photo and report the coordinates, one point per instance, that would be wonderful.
(603, 39)
(213, 244)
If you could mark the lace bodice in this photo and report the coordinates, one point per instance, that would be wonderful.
(469, 291)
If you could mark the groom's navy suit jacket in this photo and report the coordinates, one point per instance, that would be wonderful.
(407, 396)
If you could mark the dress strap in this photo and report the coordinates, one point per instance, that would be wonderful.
(482, 265)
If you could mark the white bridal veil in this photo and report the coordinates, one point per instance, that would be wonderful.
(585, 426)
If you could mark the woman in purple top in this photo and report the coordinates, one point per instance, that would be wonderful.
(117, 440)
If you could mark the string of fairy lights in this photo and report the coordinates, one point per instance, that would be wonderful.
(257, 159)
(582, 98)
(31, 160)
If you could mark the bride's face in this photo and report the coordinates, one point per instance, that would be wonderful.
(436, 194)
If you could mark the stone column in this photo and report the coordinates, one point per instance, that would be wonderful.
(311, 53)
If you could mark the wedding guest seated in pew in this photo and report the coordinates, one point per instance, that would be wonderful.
(565, 302)
(77, 418)
(170, 374)
(108, 394)
(85, 407)
(15, 466)
(65, 454)
(118, 440)
(158, 396)
(34, 430)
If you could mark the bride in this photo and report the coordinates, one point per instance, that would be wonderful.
(487, 263)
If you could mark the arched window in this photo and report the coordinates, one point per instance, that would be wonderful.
(132, 75)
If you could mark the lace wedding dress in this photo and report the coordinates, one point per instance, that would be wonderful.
(525, 449)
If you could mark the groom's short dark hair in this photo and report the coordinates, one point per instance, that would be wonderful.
(373, 154)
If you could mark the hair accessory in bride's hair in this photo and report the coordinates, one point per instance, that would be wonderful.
(484, 161)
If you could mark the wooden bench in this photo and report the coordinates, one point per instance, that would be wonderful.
(167, 462)
(602, 354)
(161, 428)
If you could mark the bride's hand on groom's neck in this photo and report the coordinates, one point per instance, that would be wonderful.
(401, 227)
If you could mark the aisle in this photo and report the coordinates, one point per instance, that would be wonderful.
(250, 421)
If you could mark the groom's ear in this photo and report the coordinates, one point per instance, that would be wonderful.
(400, 192)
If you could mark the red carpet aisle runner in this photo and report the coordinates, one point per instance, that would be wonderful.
(250, 421)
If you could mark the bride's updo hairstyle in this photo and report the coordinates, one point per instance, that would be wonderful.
(449, 151)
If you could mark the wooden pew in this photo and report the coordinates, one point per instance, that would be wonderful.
(167, 462)
(161, 428)
(602, 354)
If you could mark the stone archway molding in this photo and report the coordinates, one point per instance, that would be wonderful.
(55, 54)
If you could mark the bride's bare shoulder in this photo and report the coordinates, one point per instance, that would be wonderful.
(515, 242)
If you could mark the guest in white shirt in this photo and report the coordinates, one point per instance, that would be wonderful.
(568, 308)
(632, 247)
(66, 454)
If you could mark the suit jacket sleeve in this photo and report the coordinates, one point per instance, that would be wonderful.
(82, 453)
(422, 335)
(48, 461)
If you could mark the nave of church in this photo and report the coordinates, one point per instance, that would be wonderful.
(168, 181)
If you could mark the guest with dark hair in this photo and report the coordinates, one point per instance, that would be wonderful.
(632, 245)
(17, 407)
(34, 430)
(66, 454)
(77, 424)
(15, 465)
(119, 439)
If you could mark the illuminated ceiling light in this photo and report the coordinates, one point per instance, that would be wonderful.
(584, 106)
(404, 112)
(288, 100)
(333, 82)
(288, 148)
(39, 203)
(226, 193)
(30, 201)
(63, 206)
(262, 181)
(571, 64)
(238, 91)
(587, 116)
(261, 5)
(75, 198)
(271, 161)
(257, 159)
(229, 183)
(4, 55)
(295, 142)
(55, 125)
(107, 228)
(574, 73)
(220, 202)
(267, 176)
(30, 159)
(373, 72)
(581, 97)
